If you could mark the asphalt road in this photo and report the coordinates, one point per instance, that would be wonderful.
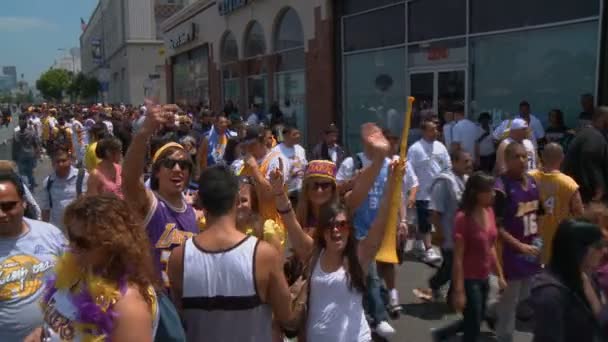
(418, 318)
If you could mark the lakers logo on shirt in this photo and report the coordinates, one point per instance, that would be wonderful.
(171, 237)
(21, 276)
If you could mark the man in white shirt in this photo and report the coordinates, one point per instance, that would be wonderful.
(254, 117)
(536, 133)
(518, 133)
(296, 160)
(429, 158)
(464, 133)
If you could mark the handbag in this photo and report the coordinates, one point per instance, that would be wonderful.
(300, 290)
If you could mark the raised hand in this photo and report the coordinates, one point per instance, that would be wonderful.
(277, 181)
(374, 138)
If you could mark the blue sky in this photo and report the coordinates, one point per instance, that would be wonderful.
(32, 31)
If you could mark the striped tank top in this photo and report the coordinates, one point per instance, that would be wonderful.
(220, 297)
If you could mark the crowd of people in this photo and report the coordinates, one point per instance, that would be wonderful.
(161, 223)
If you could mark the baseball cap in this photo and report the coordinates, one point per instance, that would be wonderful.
(519, 124)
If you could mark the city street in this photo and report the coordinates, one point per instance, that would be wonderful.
(415, 324)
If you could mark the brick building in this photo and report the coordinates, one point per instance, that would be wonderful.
(264, 52)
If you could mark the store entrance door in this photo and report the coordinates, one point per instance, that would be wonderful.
(437, 90)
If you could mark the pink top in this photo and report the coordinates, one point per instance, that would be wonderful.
(107, 185)
(478, 260)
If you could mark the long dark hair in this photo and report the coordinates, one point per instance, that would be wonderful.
(327, 216)
(571, 242)
(478, 182)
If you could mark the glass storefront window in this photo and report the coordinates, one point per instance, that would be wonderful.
(229, 51)
(452, 51)
(289, 32)
(232, 90)
(257, 91)
(374, 91)
(379, 28)
(191, 77)
(354, 6)
(537, 66)
(291, 96)
(504, 14)
(255, 45)
(429, 19)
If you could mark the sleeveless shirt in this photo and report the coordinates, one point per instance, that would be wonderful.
(556, 192)
(220, 295)
(520, 220)
(109, 186)
(60, 313)
(167, 228)
(366, 213)
(335, 312)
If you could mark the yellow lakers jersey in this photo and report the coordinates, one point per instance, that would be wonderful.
(556, 191)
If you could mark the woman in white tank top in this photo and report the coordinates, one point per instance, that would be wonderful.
(337, 285)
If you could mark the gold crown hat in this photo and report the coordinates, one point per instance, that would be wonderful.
(321, 168)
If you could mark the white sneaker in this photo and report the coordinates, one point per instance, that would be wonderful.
(431, 257)
(418, 249)
(385, 330)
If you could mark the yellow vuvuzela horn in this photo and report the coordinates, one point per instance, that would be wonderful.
(388, 250)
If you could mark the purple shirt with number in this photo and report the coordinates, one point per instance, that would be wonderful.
(168, 228)
(520, 220)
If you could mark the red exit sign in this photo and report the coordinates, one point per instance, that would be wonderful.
(435, 54)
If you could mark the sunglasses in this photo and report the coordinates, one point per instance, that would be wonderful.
(8, 206)
(341, 225)
(170, 163)
(320, 185)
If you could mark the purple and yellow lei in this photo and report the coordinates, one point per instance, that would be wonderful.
(93, 297)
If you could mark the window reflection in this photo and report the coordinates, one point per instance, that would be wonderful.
(503, 14)
(255, 44)
(428, 19)
(289, 32)
(379, 28)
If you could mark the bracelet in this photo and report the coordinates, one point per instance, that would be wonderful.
(286, 211)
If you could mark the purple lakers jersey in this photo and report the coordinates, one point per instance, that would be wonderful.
(167, 229)
(520, 220)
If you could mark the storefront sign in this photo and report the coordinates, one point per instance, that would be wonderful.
(184, 38)
(226, 7)
(96, 52)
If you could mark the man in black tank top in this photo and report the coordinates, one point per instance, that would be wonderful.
(227, 308)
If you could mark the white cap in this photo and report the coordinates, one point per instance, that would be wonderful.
(143, 109)
(519, 124)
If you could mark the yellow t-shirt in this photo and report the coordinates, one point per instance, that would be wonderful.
(90, 158)
(556, 191)
(271, 228)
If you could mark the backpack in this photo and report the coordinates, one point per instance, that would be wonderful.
(358, 162)
(170, 327)
(79, 182)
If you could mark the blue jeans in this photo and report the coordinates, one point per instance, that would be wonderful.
(476, 292)
(374, 303)
(26, 169)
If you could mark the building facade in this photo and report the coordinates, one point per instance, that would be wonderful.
(69, 61)
(489, 54)
(121, 46)
(266, 52)
(8, 78)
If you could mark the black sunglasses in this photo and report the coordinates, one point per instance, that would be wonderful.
(8, 206)
(170, 163)
(320, 185)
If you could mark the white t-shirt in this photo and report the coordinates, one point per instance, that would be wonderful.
(536, 126)
(333, 153)
(348, 168)
(296, 164)
(252, 119)
(428, 159)
(465, 132)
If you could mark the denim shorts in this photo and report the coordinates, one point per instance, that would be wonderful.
(423, 213)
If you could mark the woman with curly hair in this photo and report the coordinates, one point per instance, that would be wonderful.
(104, 288)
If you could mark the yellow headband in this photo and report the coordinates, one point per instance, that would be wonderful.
(163, 148)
